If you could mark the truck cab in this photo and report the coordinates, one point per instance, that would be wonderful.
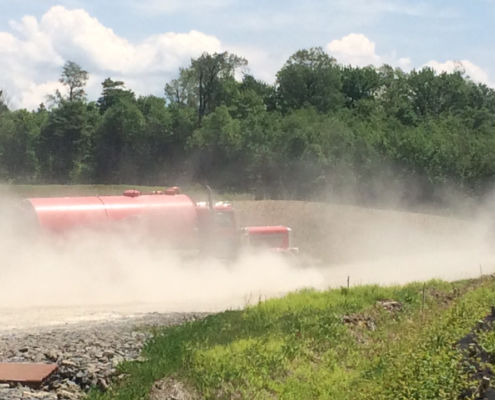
(219, 233)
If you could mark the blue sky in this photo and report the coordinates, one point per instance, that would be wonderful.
(144, 42)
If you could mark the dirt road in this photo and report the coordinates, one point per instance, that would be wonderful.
(101, 280)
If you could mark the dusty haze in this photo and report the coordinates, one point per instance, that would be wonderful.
(88, 275)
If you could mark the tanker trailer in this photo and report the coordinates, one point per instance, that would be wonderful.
(169, 216)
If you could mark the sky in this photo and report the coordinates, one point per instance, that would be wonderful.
(145, 42)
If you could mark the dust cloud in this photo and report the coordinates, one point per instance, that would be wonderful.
(102, 275)
(98, 275)
(395, 247)
(383, 246)
(413, 247)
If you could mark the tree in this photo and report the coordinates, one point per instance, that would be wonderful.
(75, 78)
(245, 103)
(119, 144)
(183, 91)
(3, 102)
(113, 91)
(84, 160)
(394, 96)
(309, 78)
(60, 141)
(18, 133)
(261, 155)
(267, 92)
(359, 84)
(204, 83)
(479, 112)
(61, 137)
(219, 140)
(164, 148)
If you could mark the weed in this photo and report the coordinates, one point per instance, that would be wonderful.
(299, 347)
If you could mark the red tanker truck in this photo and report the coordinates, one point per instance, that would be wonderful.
(167, 215)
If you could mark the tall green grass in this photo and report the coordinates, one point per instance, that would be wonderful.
(299, 347)
(197, 192)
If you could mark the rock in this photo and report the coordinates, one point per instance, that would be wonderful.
(68, 363)
(102, 384)
(117, 360)
(80, 375)
(64, 394)
(171, 389)
(51, 355)
(39, 395)
(87, 354)
(108, 353)
(360, 321)
(390, 305)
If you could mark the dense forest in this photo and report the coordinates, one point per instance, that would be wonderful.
(320, 127)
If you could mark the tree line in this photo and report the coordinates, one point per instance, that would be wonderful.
(321, 126)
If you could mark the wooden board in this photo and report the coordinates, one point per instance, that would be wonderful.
(29, 374)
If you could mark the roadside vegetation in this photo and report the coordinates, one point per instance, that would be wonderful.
(366, 342)
(196, 192)
(320, 127)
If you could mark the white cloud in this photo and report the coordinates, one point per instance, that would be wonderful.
(357, 50)
(473, 71)
(31, 56)
(33, 52)
(33, 94)
(262, 64)
(404, 63)
(354, 49)
(8, 43)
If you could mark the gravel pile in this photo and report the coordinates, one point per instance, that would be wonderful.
(87, 354)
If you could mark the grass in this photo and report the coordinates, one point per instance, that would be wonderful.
(197, 192)
(299, 347)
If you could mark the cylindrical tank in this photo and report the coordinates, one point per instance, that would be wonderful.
(169, 213)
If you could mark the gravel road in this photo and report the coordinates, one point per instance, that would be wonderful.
(86, 352)
(94, 330)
